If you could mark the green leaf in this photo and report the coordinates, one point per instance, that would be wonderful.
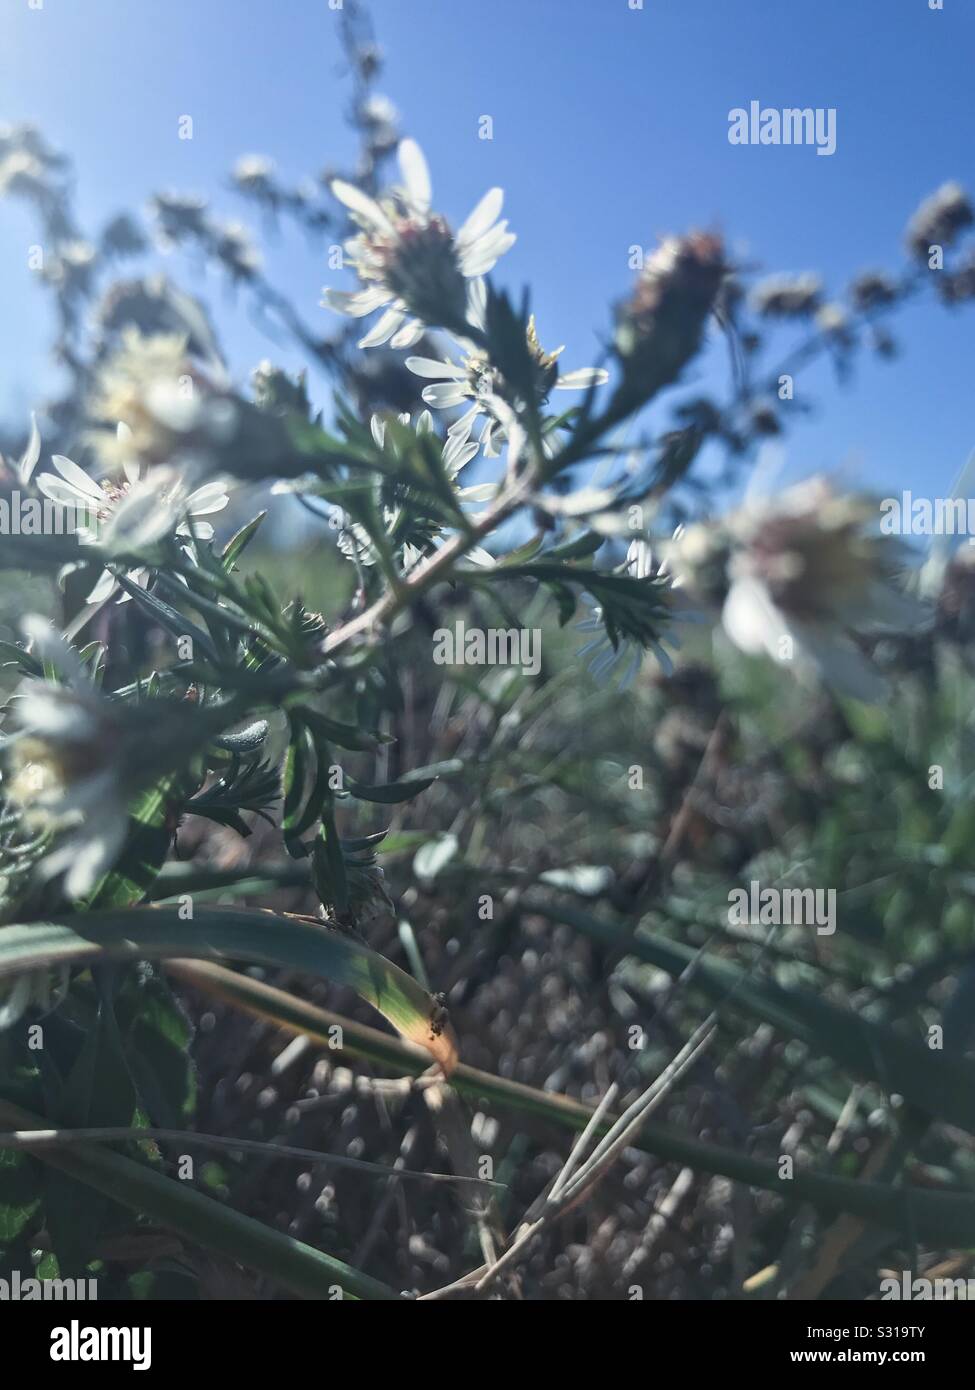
(16, 656)
(237, 544)
(157, 1036)
(345, 735)
(98, 1092)
(407, 787)
(301, 753)
(328, 868)
(272, 939)
(168, 618)
(201, 1220)
(247, 740)
(579, 548)
(145, 849)
(318, 797)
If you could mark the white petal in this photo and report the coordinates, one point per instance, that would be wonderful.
(751, 619)
(206, 500)
(199, 530)
(410, 334)
(482, 492)
(411, 555)
(483, 558)
(484, 254)
(30, 456)
(443, 395)
(145, 515)
(19, 995)
(487, 212)
(491, 450)
(104, 588)
(435, 371)
(383, 330)
(639, 559)
(582, 379)
(476, 302)
(77, 477)
(378, 428)
(461, 428)
(362, 205)
(416, 175)
(65, 494)
(459, 451)
(359, 303)
(840, 662)
(55, 713)
(81, 619)
(885, 606)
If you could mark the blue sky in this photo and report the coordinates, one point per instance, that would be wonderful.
(610, 128)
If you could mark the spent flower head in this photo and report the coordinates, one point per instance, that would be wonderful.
(939, 219)
(659, 328)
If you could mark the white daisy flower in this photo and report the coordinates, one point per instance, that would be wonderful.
(803, 572)
(411, 265)
(475, 383)
(65, 767)
(142, 508)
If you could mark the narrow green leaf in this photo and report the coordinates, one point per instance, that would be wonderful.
(345, 735)
(145, 850)
(273, 939)
(308, 1272)
(407, 787)
(174, 622)
(237, 544)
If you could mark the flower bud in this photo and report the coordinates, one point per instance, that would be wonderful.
(659, 327)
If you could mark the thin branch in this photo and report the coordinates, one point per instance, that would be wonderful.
(606, 1152)
(582, 1143)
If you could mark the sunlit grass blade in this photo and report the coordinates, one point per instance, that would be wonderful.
(293, 943)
